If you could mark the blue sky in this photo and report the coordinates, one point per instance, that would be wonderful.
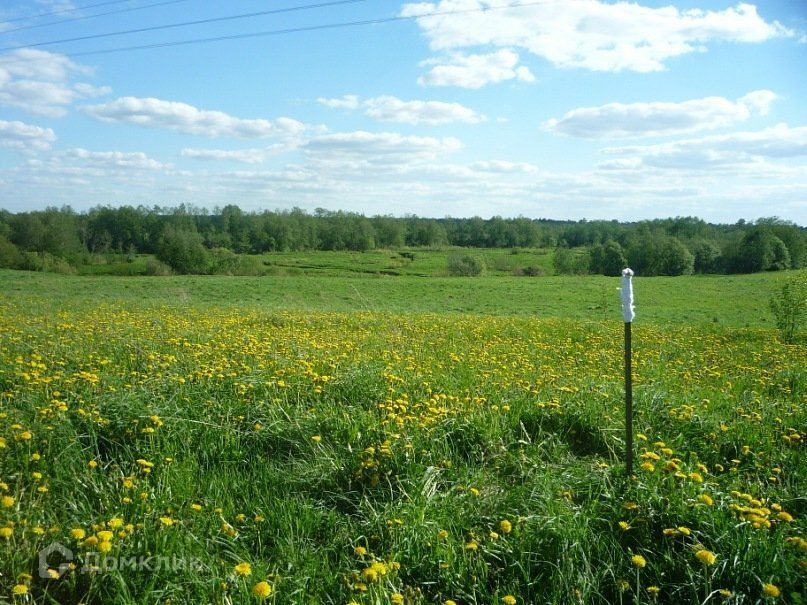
(543, 108)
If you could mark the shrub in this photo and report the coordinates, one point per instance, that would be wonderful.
(10, 256)
(183, 251)
(789, 306)
(607, 259)
(156, 267)
(465, 265)
(529, 271)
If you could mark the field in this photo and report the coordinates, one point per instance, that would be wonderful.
(376, 440)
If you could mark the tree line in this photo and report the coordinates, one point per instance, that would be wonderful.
(193, 240)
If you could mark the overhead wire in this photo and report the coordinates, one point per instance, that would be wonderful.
(291, 30)
(63, 11)
(93, 16)
(139, 30)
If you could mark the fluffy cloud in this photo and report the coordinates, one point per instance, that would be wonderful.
(22, 136)
(245, 156)
(736, 150)
(172, 115)
(387, 108)
(503, 167)
(590, 34)
(41, 83)
(123, 160)
(379, 145)
(475, 71)
(363, 155)
(654, 119)
(345, 102)
(391, 109)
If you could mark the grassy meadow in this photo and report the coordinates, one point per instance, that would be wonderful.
(324, 438)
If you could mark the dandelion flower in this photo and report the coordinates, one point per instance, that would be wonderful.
(638, 561)
(20, 589)
(653, 591)
(360, 551)
(509, 600)
(7, 501)
(397, 599)
(771, 590)
(262, 590)
(243, 569)
(707, 557)
(505, 526)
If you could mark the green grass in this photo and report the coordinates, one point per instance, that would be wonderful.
(307, 416)
(737, 301)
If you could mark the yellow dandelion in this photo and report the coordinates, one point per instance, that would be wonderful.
(771, 590)
(509, 600)
(243, 569)
(262, 589)
(638, 561)
(505, 526)
(707, 557)
(20, 589)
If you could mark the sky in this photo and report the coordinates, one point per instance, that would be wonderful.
(562, 109)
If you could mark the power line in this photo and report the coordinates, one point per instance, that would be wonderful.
(186, 23)
(278, 32)
(63, 11)
(83, 17)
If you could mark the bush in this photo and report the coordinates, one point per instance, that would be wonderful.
(607, 259)
(156, 267)
(529, 271)
(465, 265)
(227, 262)
(10, 256)
(789, 307)
(183, 251)
(675, 258)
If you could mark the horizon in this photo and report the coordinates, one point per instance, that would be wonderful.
(217, 210)
(578, 110)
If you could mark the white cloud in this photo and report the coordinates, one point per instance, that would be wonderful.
(22, 136)
(475, 71)
(380, 145)
(391, 109)
(503, 167)
(41, 83)
(736, 150)
(591, 34)
(655, 119)
(387, 108)
(125, 160)
(181, 117)
(345, 102)
(245, 156)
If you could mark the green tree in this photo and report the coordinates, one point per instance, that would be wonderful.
(675, 258)
(707, 257)
(789, 307)
(607, 258)
(183, 251)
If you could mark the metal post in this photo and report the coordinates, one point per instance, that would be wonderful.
(628, 315)
(628, 403)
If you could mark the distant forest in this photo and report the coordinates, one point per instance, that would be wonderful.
(193, 240)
